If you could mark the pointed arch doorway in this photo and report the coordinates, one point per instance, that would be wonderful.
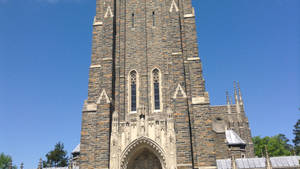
(143, 153)
(144, 159)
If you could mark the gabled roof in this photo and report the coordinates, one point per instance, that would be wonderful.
(251, 163)
(233, 138)
(76, 149)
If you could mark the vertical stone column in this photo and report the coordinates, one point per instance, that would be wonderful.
(88, 128)
(96, 120)
(10, 165)
(115, 142)
(179, 96)
(87, 141)
(103, 124)
(40, 166)
(105, 101)
(120, 63)
(203, 138)
(97, 54)
(182, 130)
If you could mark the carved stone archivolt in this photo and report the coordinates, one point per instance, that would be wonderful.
(135, 138)
(141, 144)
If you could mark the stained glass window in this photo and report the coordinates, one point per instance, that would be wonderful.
(133, 90)
(156, 88)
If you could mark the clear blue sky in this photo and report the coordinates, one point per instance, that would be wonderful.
(45, 48)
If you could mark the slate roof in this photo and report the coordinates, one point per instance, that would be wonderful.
(251, 163)
(233, 139)
(290, 161)
(76, 149)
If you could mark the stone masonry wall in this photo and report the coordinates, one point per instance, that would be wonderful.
(144, 35)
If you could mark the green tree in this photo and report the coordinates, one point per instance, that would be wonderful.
(57, 157)
(277, 145)
(296, 140)
(5, 161)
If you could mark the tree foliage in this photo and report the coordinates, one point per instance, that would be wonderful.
(276, 145)
(296, 140)
(5, 161)
(57, 157)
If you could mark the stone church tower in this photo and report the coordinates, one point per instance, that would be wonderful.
(147, 105)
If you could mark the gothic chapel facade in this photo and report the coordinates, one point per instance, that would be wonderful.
(147, 105)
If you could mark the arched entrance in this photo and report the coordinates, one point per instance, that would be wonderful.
(143, 153)
(144, 159)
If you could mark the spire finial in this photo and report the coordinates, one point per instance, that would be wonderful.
(228, 103)
(267, 153)
(235, 93)
(10, 164)
(40, 164)
(240, 94)
(237, 103)
(268, 161)
(227, 98)
(233, 163)
(70, 164)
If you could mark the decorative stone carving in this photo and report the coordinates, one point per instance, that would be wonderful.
(178, 90)
(174, 5)
(103, 94)
(143, 134)
(108, 12)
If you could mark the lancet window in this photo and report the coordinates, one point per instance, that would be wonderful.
(132, 20)
(133, 90)
(156, 88)
(153, 18)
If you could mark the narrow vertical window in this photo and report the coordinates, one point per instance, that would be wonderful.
(156, 89)
(133, 90)
(132, 20)
(153, 18)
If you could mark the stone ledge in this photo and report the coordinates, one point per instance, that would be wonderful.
(89, 107)
(193, 58)
(201, 99)
(98, 24)
(177, 53)
(106, 59)
(95, 66)
(189, 15)
(198, 100)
